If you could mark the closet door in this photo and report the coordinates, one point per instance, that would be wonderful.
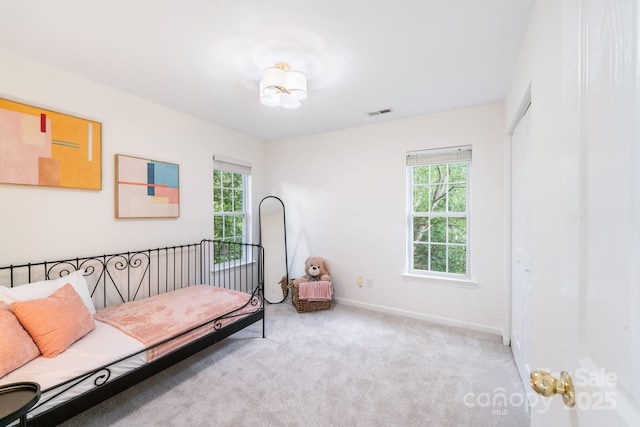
(520, 245)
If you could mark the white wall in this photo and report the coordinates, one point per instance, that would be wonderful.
(345, 195)
(39, 223)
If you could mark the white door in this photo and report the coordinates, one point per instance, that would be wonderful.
(588, 324)
(520, 244)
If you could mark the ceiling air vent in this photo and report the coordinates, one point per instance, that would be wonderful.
(379, 112)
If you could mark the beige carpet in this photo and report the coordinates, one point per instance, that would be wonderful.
(342, 367)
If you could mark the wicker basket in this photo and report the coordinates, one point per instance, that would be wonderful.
(302, 305)
(285, 286)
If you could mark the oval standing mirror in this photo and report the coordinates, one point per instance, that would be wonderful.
(273, 238)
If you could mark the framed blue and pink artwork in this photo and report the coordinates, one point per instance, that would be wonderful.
(146, 188)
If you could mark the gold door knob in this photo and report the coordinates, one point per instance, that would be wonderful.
(546, 385)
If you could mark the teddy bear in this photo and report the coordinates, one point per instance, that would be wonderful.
(315, 269)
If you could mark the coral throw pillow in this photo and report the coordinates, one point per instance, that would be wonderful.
(16, 346)
(55, 322)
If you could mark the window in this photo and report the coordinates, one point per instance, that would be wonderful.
(438, 202)
(231, 195)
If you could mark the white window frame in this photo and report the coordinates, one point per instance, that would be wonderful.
(451, 155)
(235, 166)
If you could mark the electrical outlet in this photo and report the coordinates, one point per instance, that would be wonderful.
(360, 281)
(369, 283)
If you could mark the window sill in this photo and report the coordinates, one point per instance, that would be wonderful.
(438, 280)
(224, 266)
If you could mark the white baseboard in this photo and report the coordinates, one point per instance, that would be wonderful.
(427, 317)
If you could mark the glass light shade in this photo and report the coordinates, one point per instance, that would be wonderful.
(274, 76)
(269, 95)
(283, 88)
(297, 84)
(289, 100)
(271, 101)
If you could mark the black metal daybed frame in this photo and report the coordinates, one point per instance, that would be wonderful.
(130, 276)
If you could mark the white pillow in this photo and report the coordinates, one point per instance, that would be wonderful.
(43, 289)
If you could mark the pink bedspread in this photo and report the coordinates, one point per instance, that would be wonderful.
(157, 318)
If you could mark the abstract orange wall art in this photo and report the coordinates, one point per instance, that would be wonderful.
(44, 147)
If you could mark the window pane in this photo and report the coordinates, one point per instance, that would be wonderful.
(237, 252)
(222, 252)
(420, 175)
(421, 199)
(421, 256)
(439, 230)
(237, 180)
(421, 229)
(458, 199)
(438, 198)
(237, 200)
(217, 227)
(437, 173)
(227, 179)
(458, 259)
(217, 200)
(457, 173)
(216, 178)
(438, 258)
(227, 200)
(238, 223)
(457, 230)
(228, 226)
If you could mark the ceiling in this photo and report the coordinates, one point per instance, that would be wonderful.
(205, 57)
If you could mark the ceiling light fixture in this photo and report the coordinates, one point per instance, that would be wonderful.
(281, 87)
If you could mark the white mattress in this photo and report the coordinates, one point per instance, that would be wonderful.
(99, 347)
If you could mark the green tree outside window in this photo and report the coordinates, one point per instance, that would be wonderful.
(439, 223)
(229, 214)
